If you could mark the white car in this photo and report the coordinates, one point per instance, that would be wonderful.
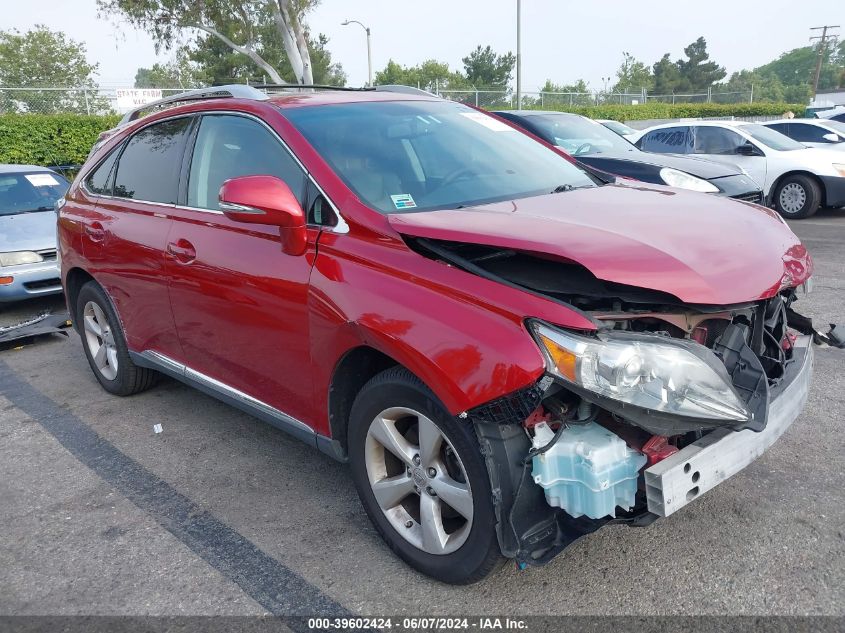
(795, 179)
(812, 132)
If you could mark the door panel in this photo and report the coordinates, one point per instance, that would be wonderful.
(127, 232)
(239, 302)
(720, 144)
(240, 306)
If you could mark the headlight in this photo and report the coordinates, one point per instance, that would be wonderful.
(672, 376)
(683, 180)
(839, 168)
(22, 257)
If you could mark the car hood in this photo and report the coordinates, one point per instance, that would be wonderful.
(28, 231)
(702, 249)
(700, 167)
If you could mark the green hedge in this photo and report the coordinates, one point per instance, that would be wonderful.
(679, 110)
(50, 139)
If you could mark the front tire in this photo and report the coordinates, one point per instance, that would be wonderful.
(797, 197)
(105, 344)
(422, 480)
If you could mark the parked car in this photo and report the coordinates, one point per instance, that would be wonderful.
(28, 198)
(836, 113)
(593, 145)
(796, 180)
(812, 132)
(509, 353)
(620, 128)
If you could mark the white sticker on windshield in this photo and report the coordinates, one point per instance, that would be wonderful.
(41, 180)
(403, 201)
(488, 121)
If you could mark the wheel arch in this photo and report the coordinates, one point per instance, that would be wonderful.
(354, 370)
(797, 172)
(74, 280)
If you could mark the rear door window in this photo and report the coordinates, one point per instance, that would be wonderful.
(148, 169)
(229, 146)
(667, 140)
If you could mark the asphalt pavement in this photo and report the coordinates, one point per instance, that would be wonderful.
(223, 514)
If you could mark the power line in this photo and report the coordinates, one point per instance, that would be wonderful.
(822, 41)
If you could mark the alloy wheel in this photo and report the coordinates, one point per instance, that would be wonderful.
(100, 340)
(418, 480)
(792, 197)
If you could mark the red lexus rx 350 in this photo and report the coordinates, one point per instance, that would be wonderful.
(510, 352)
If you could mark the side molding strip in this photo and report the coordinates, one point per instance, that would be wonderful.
(235, 398)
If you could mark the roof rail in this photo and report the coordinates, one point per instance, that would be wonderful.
(383, 88)
(237, 91)
(308, 86)
(409, 90)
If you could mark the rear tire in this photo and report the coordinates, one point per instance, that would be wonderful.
(434, 507)
(797, 197)
(105, 344)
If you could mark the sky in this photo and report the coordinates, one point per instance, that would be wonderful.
(562, 40)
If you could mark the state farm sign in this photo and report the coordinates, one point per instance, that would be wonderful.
(131, 98)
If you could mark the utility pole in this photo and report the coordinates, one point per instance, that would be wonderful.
(519, 54)
(822, 41)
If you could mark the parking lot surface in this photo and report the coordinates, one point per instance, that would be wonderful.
(223, 514)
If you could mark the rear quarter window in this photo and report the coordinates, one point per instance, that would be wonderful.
(669, 140)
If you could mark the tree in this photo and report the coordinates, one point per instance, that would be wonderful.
(579, 86)
(217, 64)
(431, 75)
(632, 75)
(697, 71)
(667, 77)
(47, 59)
(179, 72)
(798, 66)
(236, 23)
(486, 69)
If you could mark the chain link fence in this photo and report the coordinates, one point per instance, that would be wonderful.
(93, 100)
(507, 98)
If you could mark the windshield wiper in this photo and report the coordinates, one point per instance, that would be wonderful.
(563, 188)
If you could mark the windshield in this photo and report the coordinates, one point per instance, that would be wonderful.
(28, 192)
(619, 128)
(836, 125)
(771, 138)
(578, 135)
(403, 156)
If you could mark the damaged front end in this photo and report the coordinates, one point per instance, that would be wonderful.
(660, 403)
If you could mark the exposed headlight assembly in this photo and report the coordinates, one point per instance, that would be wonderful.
(670, 376)
(683, 180)
(21, 257)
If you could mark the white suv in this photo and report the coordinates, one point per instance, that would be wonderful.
(795, 179)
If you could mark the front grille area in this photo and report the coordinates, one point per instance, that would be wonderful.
(756, 197)
(48, 254)
(43, 284)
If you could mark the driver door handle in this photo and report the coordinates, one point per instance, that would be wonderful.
(182, 251)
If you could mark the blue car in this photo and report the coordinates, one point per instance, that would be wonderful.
(28, 261)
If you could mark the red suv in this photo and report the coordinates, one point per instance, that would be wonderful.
(509, 351)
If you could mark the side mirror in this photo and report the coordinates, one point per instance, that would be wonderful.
(832, 137)
(748, 149)
(269, 201)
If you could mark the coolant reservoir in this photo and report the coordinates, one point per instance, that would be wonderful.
(589, 471)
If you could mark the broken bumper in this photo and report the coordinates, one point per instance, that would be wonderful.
(682, 478)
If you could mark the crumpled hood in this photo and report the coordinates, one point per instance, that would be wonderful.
(28, 231)
(700, 248)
